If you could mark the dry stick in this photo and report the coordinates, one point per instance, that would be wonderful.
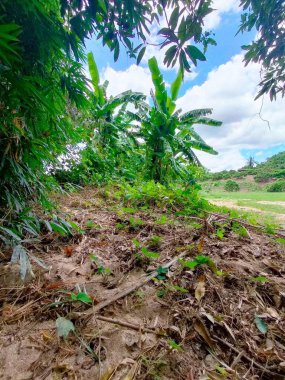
(246, 357)
(129, 325)
(125, 292)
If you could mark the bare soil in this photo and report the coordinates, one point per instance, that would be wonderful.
(218, 321)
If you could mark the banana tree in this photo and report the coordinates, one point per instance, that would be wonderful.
(169, 135)
(110, 126)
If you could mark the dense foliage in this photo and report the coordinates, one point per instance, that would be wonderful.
(267, 16)
(168, 134)
(48, 111)
(231, 186)
(277, 186)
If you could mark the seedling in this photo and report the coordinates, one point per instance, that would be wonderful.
(200, 260)
(220, 233)
(144, 251)
(259, 279)
(120, 226)
(173, 345)
(135, 222)
(161, 273)
(162, 220)
(90, 224)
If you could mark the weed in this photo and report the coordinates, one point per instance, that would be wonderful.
(144, 252)
(220, 233)
(161, 273)
(135, 222)
(120, 226)
(90, 224)
(162, 220)
(261, 279)
(280, 241)
(173, 345)
(239, 230)
(200, 260)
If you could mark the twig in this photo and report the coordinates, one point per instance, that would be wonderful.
(246, 357)
(129, 325)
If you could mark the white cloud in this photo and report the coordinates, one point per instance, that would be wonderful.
(230, 90)
(134, 77)
(213, 20)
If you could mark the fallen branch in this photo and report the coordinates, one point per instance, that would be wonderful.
(129, 325)
(260, 366)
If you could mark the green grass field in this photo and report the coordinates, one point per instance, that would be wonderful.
(251, 201)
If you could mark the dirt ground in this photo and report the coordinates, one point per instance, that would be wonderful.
(217, 311)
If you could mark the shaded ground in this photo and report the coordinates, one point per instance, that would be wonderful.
(223, 319)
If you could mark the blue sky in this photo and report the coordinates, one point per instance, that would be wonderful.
(222, 83)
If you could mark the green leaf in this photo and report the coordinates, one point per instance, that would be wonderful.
(94, 73)
(260, 279)
(157, 79)
(174, 18)
(58, 228)
(140, 55)
(64, 326)
(260, 324)
(194, 53)
(172, 344)
(81, 296)
(149, 254)
(175, 87)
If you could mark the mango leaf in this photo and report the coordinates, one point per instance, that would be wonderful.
(64, 326)
(140, 55)
(194, 54)
(260, 324)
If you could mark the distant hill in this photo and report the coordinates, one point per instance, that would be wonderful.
(272, 168)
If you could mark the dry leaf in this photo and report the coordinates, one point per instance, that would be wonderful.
(200, 245)
(200, 288)
(68, 250)
(204, 333)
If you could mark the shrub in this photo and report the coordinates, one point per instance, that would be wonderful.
(231, 186)
(277, 186)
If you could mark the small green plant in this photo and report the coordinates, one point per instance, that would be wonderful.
(154, 240)
(270, 228)
(136, 222)
(100, 268)
(161, 273)
(280, 241)
(162, 220)
(239, 230)
(231, 186)
(220, 233)
(259, 279)
(200, 260)
(120, 226)
(144, 252)
(173, 345)
(90, 224)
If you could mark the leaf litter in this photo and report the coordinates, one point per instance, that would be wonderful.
(105, 310)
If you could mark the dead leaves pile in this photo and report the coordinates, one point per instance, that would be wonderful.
(221, 319)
